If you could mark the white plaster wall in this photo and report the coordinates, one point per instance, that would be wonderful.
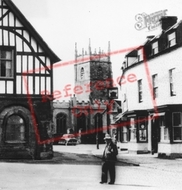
(169, 148)
(133, 146)
(161, 66)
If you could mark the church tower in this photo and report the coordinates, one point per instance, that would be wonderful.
(93, 74)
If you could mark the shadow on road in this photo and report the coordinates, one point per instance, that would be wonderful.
(65, 158)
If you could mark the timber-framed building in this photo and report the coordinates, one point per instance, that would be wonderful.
(26, 72)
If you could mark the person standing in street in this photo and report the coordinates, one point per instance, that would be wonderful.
(109, 160)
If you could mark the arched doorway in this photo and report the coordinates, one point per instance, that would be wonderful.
(18, 136)
(81, 126)
(61, 127)
(15, 131)
(99, 127)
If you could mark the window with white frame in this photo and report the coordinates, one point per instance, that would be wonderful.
(177, 126)
(155, 86)
(6, 62)
(155, 48)
(164, 131)
(125, 134)
(140, 54)
(132, 130)
(142, 129)
(171, 82)
(140, 93)
(172, 39)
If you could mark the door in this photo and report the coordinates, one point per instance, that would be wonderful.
(155, 134)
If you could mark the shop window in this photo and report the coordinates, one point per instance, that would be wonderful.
(171, 82)
(142, 129)
(177, 126)
(132, 130)
(155, 86)
(164, 131)
(125, 134)
(6, 62)
(15, 129)
(140, 93)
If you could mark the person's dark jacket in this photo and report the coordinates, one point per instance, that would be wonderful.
(110, 152)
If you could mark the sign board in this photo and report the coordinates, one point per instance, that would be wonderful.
(113, 93)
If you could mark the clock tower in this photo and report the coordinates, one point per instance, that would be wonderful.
(93, 74)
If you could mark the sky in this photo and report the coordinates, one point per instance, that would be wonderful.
(62, 23)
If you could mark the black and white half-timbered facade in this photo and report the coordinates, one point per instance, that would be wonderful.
(26, 73)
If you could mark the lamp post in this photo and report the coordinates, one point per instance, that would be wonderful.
(97, 133)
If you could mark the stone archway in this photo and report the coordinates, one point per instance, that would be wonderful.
(18, 135)
(61, 126)
(81, 126)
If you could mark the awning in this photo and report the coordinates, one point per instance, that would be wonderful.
(120, 116)
(158, 114)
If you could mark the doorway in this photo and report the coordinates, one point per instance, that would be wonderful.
(155, 134)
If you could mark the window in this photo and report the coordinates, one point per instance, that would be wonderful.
(6, 62)
(171, 82)
(82, 73)
(140, 55)
(155, 87)
(177, 126)
(142, 129)
(172, 39)
(140, 95)
(132, 130)
(124, 134)
(164, 131)
(155, 48)
(15, 129)
(100, 72)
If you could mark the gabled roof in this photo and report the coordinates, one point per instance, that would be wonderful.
(54, 58)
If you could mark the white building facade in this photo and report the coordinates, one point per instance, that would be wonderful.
(152, 103)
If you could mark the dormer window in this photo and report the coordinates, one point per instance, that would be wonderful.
(140, 55)
(172, 39)
(6, 62)
(155, 48)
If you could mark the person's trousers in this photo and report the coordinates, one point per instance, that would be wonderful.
(108, 166)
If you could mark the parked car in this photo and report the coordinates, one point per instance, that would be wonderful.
(68, 139)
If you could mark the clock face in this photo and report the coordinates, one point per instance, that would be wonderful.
(142, 126)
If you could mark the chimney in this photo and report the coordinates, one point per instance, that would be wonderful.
(168, 21)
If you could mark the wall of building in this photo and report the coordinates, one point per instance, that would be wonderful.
(161, 66)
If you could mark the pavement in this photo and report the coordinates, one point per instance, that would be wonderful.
(145, 160)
